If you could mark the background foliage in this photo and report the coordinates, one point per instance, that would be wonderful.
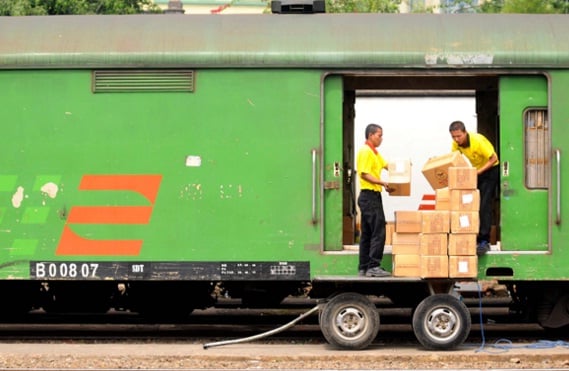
(60, 7)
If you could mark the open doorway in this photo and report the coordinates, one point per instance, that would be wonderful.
(415, 112)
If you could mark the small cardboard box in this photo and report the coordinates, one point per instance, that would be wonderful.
(408, 221)
(436, 168)
(405, 243)
(435, 221)
(463, 266)
(389, 230)
(434, 266)
(462, 244)
(464, 177)
(442, 199)
(406, 265)
(434, 244)
(464, 199)
(349, 235)
(400, 189)
(400, 177)
(464, 222)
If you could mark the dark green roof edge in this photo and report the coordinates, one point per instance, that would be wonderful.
(304, 41)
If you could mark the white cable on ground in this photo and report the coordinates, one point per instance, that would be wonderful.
(264, 334)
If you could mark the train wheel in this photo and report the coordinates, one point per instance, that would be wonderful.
(441, 322)
(349, 321)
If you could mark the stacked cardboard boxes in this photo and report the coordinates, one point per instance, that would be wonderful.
(419, 244)
(464, 203)
(441, 242)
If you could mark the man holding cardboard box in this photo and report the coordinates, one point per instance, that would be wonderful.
(478, 149)
(370, 164)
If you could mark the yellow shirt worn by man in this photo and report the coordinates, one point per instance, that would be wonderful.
(370, 162)
(479, 151)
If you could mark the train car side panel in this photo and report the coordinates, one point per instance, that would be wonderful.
(143, 176)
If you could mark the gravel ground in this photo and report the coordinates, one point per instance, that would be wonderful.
(274, 356)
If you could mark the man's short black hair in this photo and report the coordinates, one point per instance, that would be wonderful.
(457, 125)
(371, 129)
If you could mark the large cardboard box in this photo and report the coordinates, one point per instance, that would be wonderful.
(406, 265)
(434, 266)
(464, 199)
(442, 199)
(464, 222)
(463, 266)
(405, 243)
(434, 244)
(462, 244)
(408, 221)
(435, 221)
(436, 168)
(464, 177)
(400, 177)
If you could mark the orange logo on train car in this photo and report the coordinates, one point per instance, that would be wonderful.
(73, 244)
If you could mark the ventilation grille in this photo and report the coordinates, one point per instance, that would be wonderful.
(121, 81)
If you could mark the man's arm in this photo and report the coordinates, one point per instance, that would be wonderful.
(491, 161)
(370, 178)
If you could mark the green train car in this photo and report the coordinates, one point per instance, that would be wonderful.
(152, 160)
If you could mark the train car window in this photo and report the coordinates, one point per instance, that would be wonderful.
(537, 148)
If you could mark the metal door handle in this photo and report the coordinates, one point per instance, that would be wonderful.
(558, 191)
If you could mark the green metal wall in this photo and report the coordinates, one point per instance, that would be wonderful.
(248, 200)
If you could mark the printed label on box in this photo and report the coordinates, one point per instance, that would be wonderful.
(462, 267)
(464, 222)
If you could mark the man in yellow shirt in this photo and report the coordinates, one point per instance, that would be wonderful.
(483, 157)
(372, 236)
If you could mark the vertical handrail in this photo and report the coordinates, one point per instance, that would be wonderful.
(558, 159)
(314, 186)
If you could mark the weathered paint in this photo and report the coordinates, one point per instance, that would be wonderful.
(268, 40)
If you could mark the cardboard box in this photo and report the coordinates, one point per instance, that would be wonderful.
(408, 221)
(400, 189)
(436, 168)
(463, 266)
(462, 244)
(435, 221)
(462, 177)
(349, 235)
(464, 222)
(442, 199)
(400, 177)
(406, 265)
(389, 230)
(433, 244)
(434, 266)
(464, 199)
(405, 243)
(399, 171)
(494, 236)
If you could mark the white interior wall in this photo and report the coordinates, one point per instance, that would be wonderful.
(414, 128)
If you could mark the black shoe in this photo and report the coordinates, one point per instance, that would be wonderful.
(482, 248)
(377, 272)
(361, 272)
